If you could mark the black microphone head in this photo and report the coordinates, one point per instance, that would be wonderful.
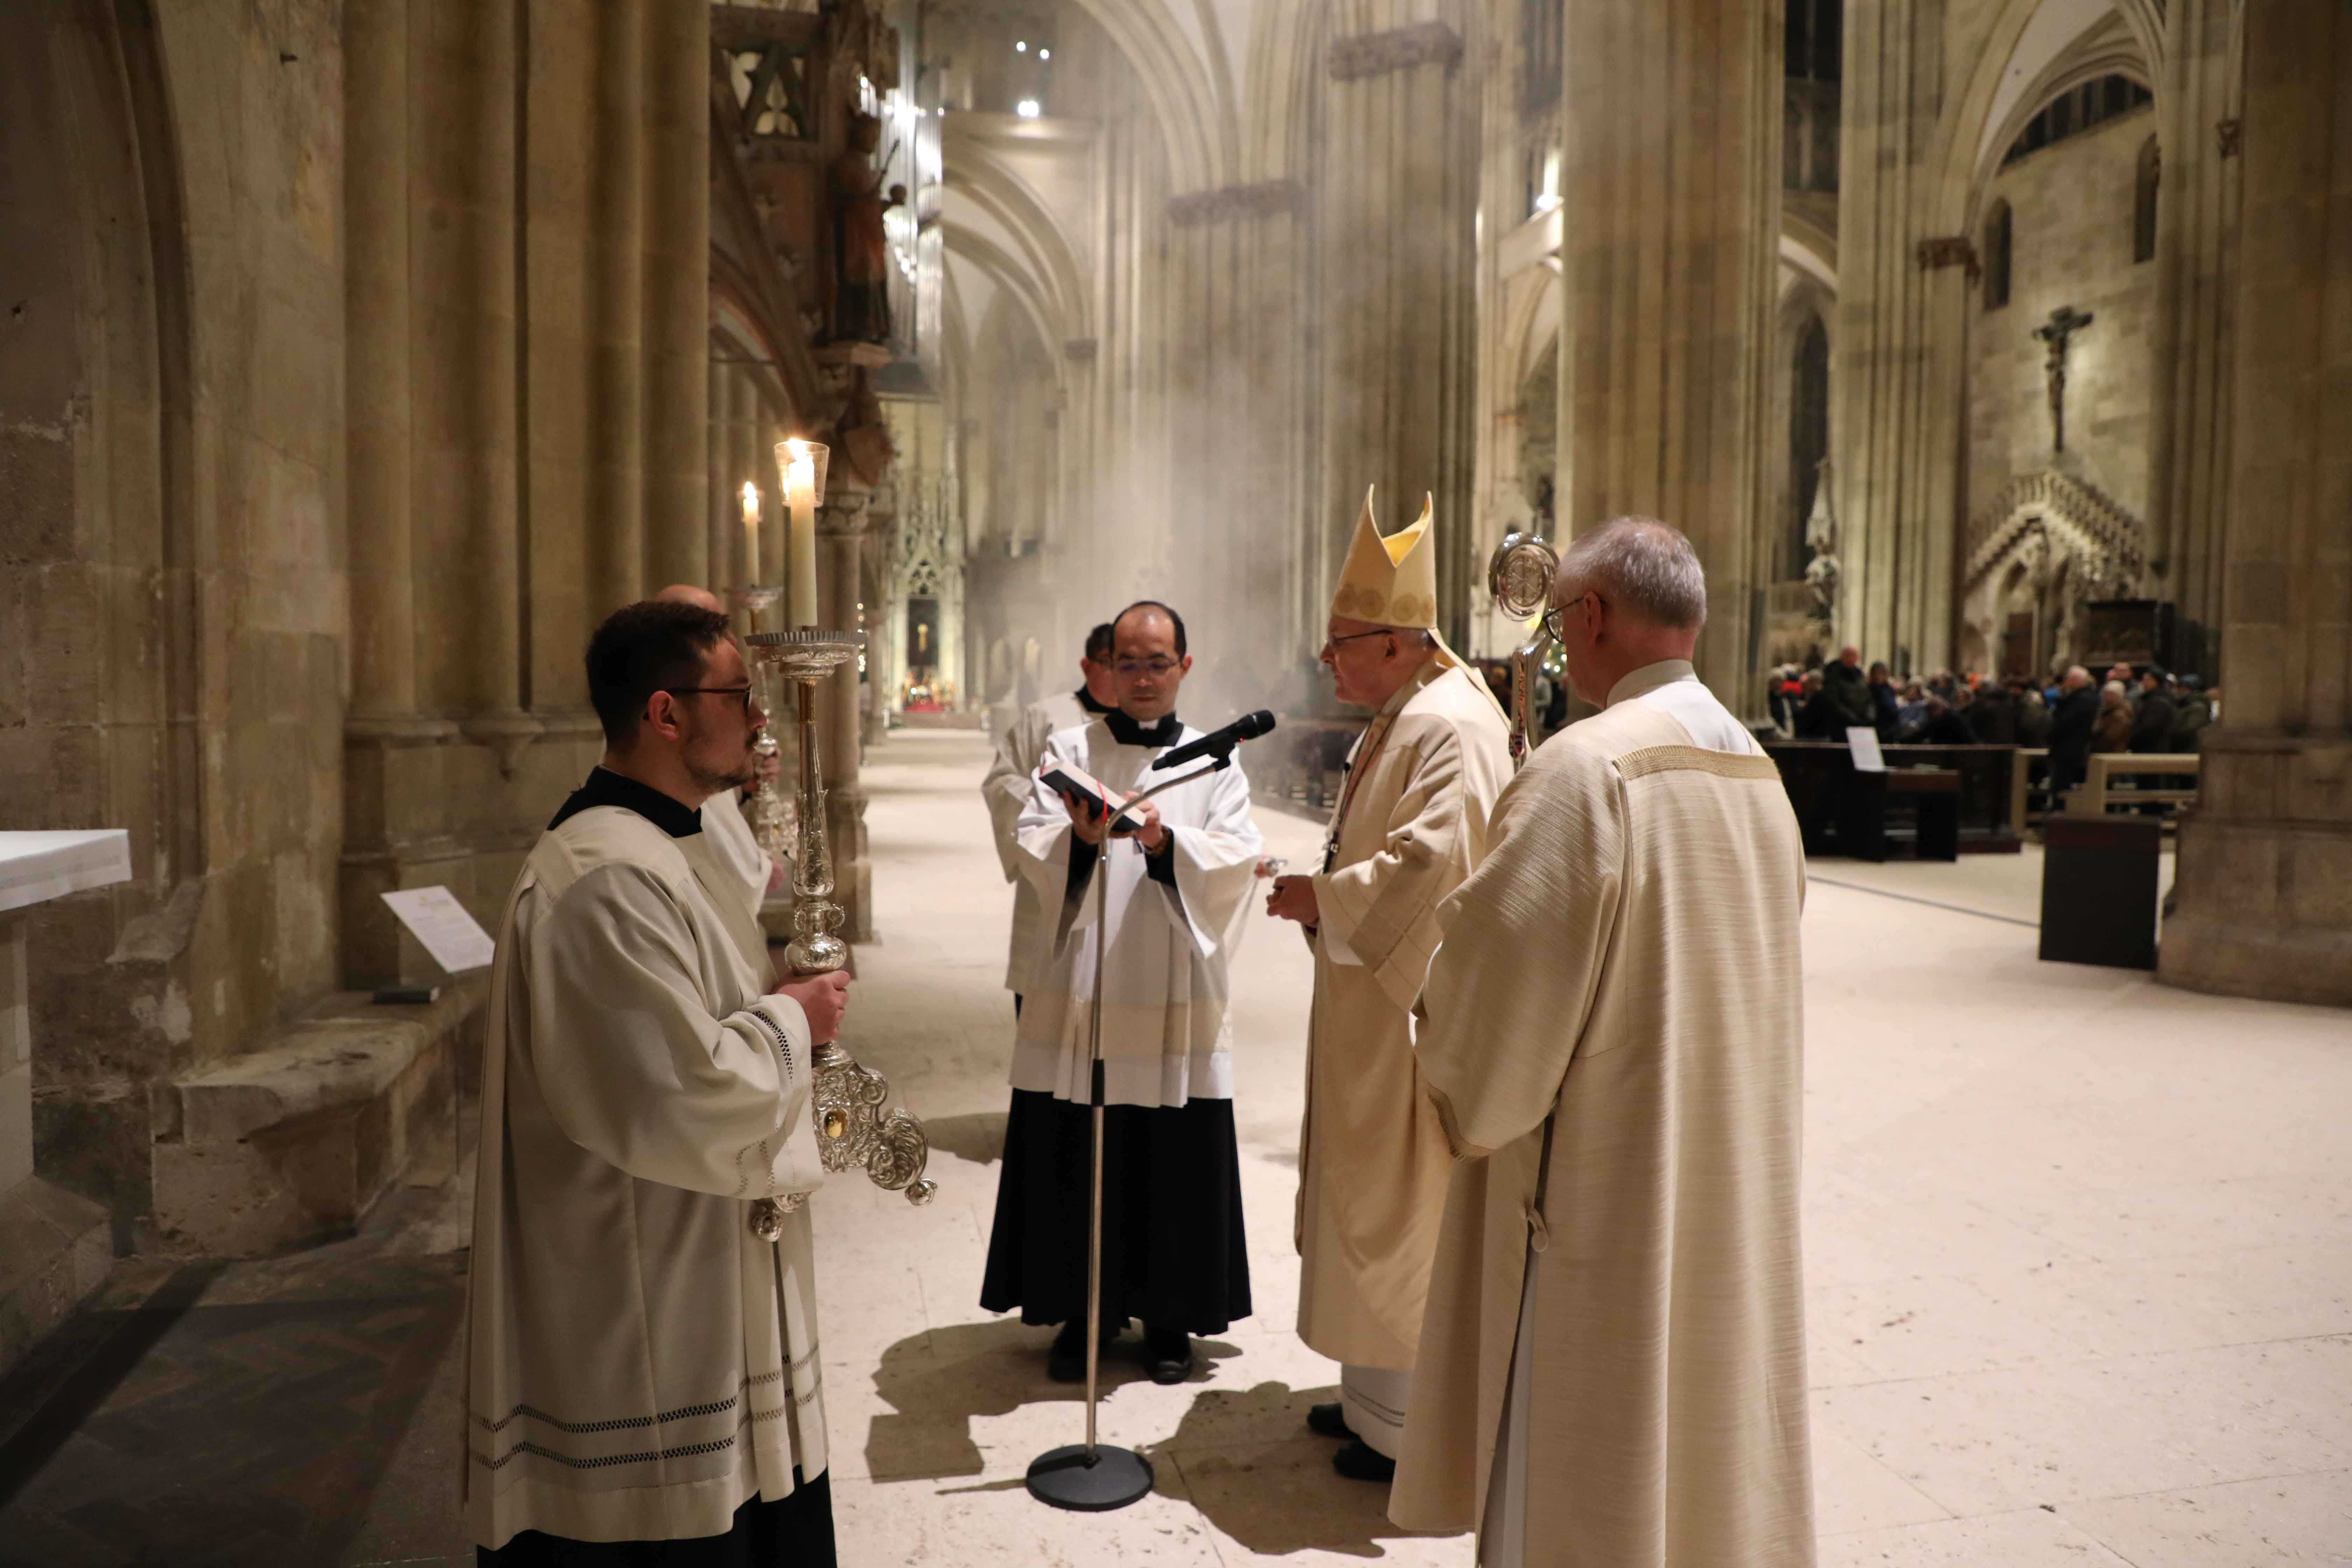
(1250, 726)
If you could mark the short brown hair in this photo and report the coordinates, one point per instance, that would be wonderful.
(651, 645)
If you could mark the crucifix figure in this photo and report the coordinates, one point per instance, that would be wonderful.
(2063, 323)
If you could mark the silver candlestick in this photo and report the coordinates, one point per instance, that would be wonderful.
(771, 824)
(852, 1130)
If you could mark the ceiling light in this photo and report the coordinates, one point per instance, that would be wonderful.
(1045, 54)
(1027, 108)
(1021, 46)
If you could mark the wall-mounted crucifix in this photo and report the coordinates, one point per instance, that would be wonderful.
(2063, 323)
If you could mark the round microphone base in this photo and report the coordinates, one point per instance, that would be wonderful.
(1065, 1479)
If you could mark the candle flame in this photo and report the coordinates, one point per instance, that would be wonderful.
(750, 502)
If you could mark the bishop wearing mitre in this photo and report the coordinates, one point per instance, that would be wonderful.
(1178, 880)
(1613, 1360)
(1410, 824)
(642, 1356)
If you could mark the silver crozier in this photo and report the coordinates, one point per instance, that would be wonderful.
(852, 1132)
(1520, 576)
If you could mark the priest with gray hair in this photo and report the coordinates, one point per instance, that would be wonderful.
(1611, 1365)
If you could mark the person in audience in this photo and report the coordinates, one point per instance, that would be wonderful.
(2112, 730)
(1912, 709)
(1818, 715)
(2032, 715)
(1944, 725)
(2152, 718)
(2071, 720)
(1848, 691)
(2191, 713)
(1885, 707)
(1992, 713)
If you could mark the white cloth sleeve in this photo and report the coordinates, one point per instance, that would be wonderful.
(635, 1068)
(1006, 785)
(1216, 863)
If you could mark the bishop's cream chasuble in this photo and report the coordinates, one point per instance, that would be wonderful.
(1165, 1035)
(1006, 788)
(1625, 1312)
(1373, 1162)
(639, 1363)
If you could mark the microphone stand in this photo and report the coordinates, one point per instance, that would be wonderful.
(1090, 1478)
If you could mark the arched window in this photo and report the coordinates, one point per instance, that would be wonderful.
(1996, 256)
(2151, 170)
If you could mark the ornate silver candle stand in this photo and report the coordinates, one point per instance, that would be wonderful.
(771, 824)
(852, 1130)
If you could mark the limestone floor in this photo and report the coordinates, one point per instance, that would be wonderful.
(2079, 1254)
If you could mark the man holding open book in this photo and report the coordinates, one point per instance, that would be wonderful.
(1181, 867)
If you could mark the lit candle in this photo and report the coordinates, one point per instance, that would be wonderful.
(802, 463)
(750, 532)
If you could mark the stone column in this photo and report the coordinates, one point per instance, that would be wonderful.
(1671, 179)
(462, 73)
(376, 291)
(617, 277)
(2265, 890)
(2196, 251)
(676, 131)
(1397, 284)
(1900, 361)
(722, 511)
(840, 547)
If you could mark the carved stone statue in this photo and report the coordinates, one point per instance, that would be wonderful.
(2057, 332)
(862, 247)
(1822, 572)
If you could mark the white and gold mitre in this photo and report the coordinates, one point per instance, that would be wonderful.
(1389, 581)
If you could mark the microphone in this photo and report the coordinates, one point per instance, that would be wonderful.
(1219, 743)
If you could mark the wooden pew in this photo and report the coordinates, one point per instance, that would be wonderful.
(2099, 789)
(1988, 823)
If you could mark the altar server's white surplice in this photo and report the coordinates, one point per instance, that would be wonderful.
(639, 1363)
(1165, 1035)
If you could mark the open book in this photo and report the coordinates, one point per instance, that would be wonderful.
(1072, 782)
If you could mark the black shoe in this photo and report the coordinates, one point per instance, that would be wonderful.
(1167, 1354)
(1329, 1421)
(1066, 1362)
(1360, 1463)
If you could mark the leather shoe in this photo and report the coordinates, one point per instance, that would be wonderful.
(1066, 1362)
(1167, 1354)
(1329, 1421)
(1359, 1462)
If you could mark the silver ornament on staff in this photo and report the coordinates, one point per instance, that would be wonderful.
(1093, 1476)
(852, 1132)
(1520, 575)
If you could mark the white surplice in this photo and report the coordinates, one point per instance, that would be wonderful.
(639, 1363)
(1165, 1036)
(1005, 788)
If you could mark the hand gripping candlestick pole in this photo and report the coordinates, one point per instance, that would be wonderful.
(1089, 1477)
(852, 1130)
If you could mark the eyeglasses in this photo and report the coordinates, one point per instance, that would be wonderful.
(742, 694)
(1144, 666)
(1331, 642)
(1551, 618)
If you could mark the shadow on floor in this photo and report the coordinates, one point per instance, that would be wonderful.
(977, 1137)
(238, 1432)
(1255, 1473)
(939, 1381)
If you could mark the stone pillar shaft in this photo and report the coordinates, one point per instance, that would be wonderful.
(2265, 890)
(676, 282)
(376, 291)
(1671, 175)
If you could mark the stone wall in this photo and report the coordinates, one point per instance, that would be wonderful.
(2071, 224)
(172, 647)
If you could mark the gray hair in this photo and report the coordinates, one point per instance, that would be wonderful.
(1643, 564)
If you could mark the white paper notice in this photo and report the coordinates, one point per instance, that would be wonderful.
(434, 917)
(1863, 741)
